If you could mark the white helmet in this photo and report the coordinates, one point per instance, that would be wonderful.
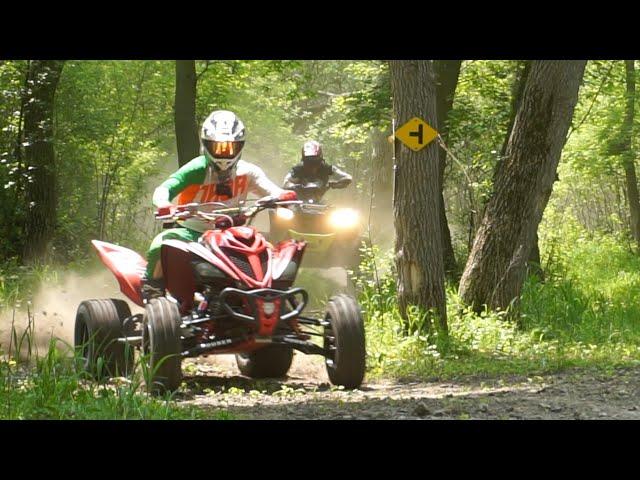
(222, 138)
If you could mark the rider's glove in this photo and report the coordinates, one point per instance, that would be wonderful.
(166, 209)
(288, 195)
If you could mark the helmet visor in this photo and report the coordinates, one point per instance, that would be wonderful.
(223, 149)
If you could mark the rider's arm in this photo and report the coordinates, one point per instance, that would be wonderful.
(290, 182)
(193, 173)
(161, 197)
(338, 178)
(261, 185)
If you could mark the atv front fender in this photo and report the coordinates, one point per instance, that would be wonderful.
(127, 266)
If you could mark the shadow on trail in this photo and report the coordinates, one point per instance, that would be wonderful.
(576, 394)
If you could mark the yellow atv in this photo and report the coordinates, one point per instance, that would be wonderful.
(333, 234)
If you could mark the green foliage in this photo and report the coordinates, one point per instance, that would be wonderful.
(112, 122)
(584, 314)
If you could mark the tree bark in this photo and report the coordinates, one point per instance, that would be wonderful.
(628, 151)
(517, 89)
(447, 74)
(522, 70)
(382, 181)
(186, 127)
(496, 268)
(418, 245)
(38, 130)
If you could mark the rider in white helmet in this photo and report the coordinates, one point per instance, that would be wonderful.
(218, 175)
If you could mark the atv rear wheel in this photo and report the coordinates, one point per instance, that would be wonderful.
(345, 341)
(161, 346)
(272, 361)
(97, 328)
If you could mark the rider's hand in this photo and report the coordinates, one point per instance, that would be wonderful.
(165, 208)
(288, 195)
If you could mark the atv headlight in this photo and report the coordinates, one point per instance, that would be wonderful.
(344, 218)
(284, 213)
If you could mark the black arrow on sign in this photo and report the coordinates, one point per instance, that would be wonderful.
(418, 134)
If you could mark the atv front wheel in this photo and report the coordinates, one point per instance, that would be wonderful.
(272, 361)
(161, 346)
(97, 329)
(344, 341)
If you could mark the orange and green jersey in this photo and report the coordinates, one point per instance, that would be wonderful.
(198, 182)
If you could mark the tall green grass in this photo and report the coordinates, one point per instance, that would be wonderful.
(18, 283)
(53, 386)
(585, 313)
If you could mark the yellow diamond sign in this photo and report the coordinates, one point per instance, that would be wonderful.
(416, 134)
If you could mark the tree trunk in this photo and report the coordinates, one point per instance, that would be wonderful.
(13, 215)
(522, 70)
(517, 89)
(185, 111)
(496, 268)
(418, 245)
(628, 151)
(447, 74)
(40, 158)
(382, 185)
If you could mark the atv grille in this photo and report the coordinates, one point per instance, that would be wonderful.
(264, 261)
(240, 260)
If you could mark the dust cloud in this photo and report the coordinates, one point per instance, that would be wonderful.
(52, 309)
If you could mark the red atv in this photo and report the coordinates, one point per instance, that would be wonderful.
(230, 292)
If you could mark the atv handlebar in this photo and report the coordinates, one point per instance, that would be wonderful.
(192, 210)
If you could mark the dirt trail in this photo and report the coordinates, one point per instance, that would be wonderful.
(307, 394)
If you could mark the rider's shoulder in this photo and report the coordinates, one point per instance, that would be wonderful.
(296, 170)
(198, 162)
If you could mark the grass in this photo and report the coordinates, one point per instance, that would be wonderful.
(586, 314)
(18, 282)
(52, 387)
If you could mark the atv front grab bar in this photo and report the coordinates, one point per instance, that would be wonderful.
(266, 295)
